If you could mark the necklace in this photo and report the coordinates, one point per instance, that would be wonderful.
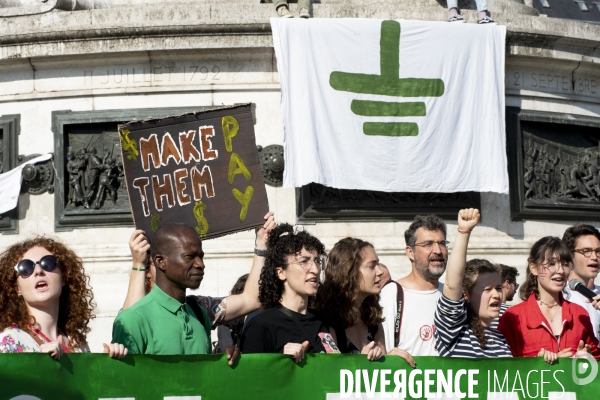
(548, 305)
(552, 317)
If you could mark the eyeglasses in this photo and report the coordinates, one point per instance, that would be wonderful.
(428, 244)
(26, 267)
(516, 284)
(552, 266)
(587, 252)
(306, 262)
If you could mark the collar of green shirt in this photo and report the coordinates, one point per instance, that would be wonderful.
(166, 301)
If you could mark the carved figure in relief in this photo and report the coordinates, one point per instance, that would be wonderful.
(557, 171)
(93, 177)
(529, 183)
(75, 167)
(591, 177)
(564, 182)
(577, 184)
(121, 176)
(93, 171)
(531, 154)
(106, 182)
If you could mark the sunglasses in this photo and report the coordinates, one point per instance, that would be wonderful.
(26, 267)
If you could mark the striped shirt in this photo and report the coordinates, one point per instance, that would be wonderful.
(454, 337)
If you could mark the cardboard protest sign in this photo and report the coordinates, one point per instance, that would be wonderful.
(201, 169)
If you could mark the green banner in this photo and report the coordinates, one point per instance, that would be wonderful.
(273, 376)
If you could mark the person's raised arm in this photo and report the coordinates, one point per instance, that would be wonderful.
(139, 246)
(457, 262)
(241, 304)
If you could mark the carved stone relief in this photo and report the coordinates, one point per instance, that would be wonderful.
(94, 173)
(560, 172)
(89, 190)
(554, 162)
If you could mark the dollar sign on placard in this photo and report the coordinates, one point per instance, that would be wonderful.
(202, 227)
(155, 222)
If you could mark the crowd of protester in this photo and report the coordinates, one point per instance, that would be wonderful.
(299, 299)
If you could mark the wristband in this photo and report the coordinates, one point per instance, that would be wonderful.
(260, 253)
(139, 269)
(464, 230)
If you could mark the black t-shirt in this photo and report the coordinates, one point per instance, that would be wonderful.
(271, 330)
(346, 346)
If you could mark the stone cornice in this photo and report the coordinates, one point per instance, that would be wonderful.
(210, 25)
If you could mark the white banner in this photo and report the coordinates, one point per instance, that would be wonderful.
(395, 106)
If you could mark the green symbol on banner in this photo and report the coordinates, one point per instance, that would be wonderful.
(388, 83)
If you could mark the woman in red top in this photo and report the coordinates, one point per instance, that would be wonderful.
(545, 324)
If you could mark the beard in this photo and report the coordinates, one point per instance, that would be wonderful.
(510, 295)
(429, 272)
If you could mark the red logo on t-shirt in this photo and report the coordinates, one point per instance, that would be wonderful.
(426, 332)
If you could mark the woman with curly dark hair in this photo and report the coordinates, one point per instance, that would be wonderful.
(545, 324)
(349, 299)
(46, 300)
(470, 301)
(289, 279)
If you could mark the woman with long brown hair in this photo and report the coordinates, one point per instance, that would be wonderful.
(545, 323)
(46, 300)
(349, 299)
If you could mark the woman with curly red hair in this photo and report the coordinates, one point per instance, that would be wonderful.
(349, 299)
(46, 300)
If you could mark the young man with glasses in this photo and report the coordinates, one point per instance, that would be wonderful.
(409, 303)
(584, 243)
(509, 288)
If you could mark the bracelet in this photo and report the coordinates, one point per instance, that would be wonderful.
(260, 253)
(139, 269)
(464, 230)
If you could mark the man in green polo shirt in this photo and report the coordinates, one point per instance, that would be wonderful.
(164, 321)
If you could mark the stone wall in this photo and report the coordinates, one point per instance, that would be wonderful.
(203, 53)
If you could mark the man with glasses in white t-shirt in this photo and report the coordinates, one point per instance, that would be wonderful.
(584, 243)
(409, 303)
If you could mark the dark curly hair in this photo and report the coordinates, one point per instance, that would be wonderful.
(473, 269)
(283, 241)
(573, 233)
(76, 299)
(338, 297)
(544, 248)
